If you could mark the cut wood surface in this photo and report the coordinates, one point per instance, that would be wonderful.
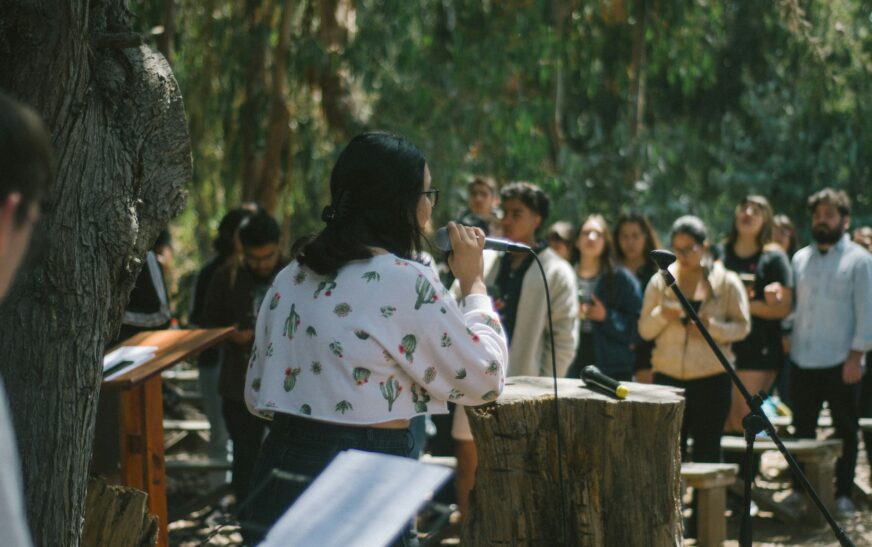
(621, 466)
(117, 516)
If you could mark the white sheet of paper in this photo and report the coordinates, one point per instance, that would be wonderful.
(135, 354)
(361, 499)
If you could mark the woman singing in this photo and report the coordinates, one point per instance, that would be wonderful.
(355, 337)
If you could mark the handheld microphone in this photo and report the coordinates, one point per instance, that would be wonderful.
(443, 243)
(594, 377)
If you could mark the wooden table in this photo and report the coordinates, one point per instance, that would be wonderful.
(141, 411)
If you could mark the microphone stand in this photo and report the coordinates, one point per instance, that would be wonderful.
(755, 422)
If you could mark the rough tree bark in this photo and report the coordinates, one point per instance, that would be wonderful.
(118, 127)
(621, 466)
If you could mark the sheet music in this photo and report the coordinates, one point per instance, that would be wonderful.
(361, 499)
(136, 355)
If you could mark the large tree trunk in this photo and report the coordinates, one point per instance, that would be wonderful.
(620, 460)
(118, 127)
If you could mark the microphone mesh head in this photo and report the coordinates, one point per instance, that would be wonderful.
(443, 243)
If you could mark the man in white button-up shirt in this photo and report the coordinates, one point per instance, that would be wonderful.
(832, 330)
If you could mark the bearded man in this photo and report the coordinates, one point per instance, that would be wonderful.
(831, 332)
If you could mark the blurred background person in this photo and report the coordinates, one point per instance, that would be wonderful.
(227, 249)
(832, 331)
(635, 239)
(767, 276)
(681, 356)
(233, 298)
(559, 238)
(863, 237)
(784, 234)
(482, 203)
(26, 174)
(609, 300)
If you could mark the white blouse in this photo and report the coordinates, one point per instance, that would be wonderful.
(380, 340)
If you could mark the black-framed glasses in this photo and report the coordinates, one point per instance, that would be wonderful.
(687, 251)
(432, 195)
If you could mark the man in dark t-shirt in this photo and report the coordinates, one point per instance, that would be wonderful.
(233, 299)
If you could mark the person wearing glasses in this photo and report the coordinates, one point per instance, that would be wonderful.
(356, 337)
(681, 356)
(233, 298)
(517, 287)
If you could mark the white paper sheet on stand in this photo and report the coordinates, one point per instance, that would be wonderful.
(135, 354)
(361, 499)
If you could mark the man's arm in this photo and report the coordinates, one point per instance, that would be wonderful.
(564, 316)
(861, 340)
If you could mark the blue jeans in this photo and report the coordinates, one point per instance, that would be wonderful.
(306, 447)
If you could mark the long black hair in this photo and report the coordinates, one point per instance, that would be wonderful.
(375, 189)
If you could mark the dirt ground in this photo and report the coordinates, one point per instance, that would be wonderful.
(200, 515)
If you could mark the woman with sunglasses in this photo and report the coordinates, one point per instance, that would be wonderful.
(609, 300)
(768, 279)
(681, 356)
(355, 337)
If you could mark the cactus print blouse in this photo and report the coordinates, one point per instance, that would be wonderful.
(380, 340)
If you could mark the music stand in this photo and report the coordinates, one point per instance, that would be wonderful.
(361, 499)
(140, 410)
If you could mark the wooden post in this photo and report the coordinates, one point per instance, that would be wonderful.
(820, 468)
(621, 467)
(710, 480)
(142, 453)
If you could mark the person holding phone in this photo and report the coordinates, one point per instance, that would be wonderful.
(681, 356)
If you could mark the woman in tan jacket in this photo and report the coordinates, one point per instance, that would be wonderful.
(681, 357)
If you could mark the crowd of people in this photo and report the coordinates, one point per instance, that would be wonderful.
(758, 294)
(793, 321)
(355, 337)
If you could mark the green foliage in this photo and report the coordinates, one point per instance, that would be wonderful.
(739, 97)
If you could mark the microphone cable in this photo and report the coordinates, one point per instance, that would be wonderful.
(556, 400)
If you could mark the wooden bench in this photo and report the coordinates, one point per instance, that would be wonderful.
(781, 422)
(817, 457)
(186, 425)
(198, 464)
(710, 480)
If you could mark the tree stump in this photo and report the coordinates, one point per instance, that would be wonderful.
(621, 466)
(117, 516)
